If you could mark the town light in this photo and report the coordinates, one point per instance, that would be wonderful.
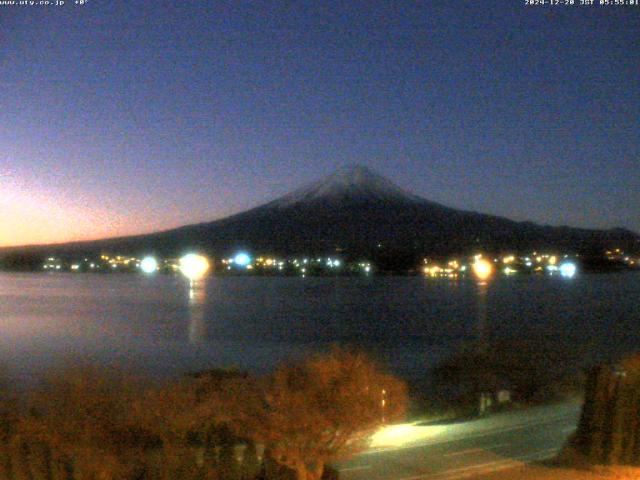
(568, 269)
(482, 269)
(193, 266)
(149, 265)
(242, 259)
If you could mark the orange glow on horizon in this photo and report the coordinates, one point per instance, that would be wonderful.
(32, 218)
(33, 213)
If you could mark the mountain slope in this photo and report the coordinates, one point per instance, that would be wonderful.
(360, 213)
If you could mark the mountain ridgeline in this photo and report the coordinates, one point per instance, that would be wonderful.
(359, 214)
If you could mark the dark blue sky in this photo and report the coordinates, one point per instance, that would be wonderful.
(127, 117)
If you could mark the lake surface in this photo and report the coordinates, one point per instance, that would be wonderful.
(161, 326)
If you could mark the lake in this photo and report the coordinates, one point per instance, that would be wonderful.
(161, 326)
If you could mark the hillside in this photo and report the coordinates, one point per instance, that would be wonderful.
(358, 213)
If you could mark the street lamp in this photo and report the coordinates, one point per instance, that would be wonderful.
(482, 269)
(568, 269)
(194, 266)
(383, 403)
(149, 265)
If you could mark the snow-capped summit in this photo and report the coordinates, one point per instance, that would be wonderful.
(357, 183)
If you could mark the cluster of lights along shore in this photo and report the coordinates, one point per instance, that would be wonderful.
(484, 267)
(195, 265)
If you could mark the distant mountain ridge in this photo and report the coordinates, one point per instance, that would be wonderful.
(357, 213)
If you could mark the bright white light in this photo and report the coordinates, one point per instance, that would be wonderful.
(568, 269)
(242, 259)
(404, 434)
(193, 266)
(149, 265)
(482, 269)
(336, 263)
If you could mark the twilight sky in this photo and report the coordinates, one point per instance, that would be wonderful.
(127, 117)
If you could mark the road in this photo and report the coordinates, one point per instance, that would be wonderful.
(467, 449)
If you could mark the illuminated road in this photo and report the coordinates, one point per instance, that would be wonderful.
(466, 450)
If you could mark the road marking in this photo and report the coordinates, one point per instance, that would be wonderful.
(479, 466)
(353, 469)
(498, 466)
(463, 452)
(484, 468)
(475, 450)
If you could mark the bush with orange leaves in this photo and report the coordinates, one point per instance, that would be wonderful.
(318, 411)
(81, 425)
(90, 423)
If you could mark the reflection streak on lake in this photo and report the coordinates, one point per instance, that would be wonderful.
(162, 325)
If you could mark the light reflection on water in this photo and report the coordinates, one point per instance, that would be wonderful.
(197, 298)
(481, 314)
(162, 325)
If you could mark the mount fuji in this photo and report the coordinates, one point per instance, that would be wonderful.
(359, 213)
